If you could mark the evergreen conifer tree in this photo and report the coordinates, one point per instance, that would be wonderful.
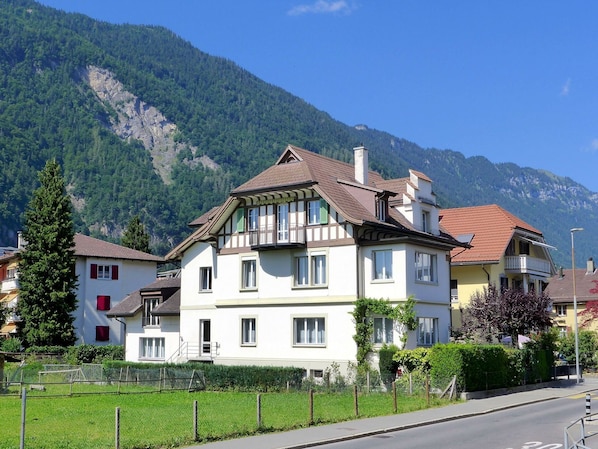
(47, 278)
(135, 236)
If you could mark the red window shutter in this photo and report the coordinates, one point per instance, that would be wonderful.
(94, 270)
(115, 272)
(102, 333)
(103, 302)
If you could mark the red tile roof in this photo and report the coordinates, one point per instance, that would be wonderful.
(560, 288)
(492, 228)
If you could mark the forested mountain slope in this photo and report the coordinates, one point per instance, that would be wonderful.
(144, 123)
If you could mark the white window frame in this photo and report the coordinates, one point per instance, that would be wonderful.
(149, 304)
(152, 348)
(382, 206)
(310, 269)
(249, 274)
(560, 309)
(382, 265)
(426, 267)
(104, 272)
(253, 218)
(309, 331)
(383, 330)
(282, 222)
(313, 212)
(427, 331)
(205, 279)
(248, 331)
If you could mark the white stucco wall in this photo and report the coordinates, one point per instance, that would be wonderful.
(132, 275)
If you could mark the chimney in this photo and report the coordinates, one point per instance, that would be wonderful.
(590, 266)
(361, 164)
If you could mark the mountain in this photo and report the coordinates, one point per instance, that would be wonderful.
(144, 123)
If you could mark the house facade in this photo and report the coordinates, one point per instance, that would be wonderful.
(271, 276)
(504, 251)
(9, 292)
(560, 290)
(106, 274)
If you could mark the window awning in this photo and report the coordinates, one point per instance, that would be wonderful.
(9, 297)
(12, 265)
(8, 329)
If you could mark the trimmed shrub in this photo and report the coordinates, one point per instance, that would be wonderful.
(386, 363)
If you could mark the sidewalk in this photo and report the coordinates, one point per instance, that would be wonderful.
(314, 436)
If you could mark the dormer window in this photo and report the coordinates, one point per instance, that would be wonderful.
(426, 221)
(382, 209)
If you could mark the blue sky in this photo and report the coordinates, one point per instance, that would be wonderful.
(511, 80)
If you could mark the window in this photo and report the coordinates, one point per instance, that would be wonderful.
(283, 222)
(248, 274)
(309, 331)
(102, 333)
(382, 264)
(313, 212)
(318, 264)
(504, 283)
(426, 221)
(11, 273)
(103, 302)
(383, 330)
(382, 210)
(205, 279)
(248, 331)
(149, 304)
(523, 247)
(253, 215)
(151, 348)
(561, 309)
(454, 291)
(104, 271)
(425, 267)
(427, 331)
(310, 270)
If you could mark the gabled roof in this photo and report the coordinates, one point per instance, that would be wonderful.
(560, 286)
(490, 228)
(168, 288)
(86, 246)
(333, 180)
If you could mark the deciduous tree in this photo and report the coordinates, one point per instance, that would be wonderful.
(47, 278)
(492, 313)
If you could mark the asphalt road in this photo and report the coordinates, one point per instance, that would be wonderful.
(535, 426)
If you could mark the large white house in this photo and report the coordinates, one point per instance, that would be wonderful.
(271, 276)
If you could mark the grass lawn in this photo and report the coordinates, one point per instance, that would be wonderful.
(159, 420)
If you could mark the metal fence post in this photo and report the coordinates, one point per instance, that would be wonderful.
(195, 419)
(23, 413)
(117, 429)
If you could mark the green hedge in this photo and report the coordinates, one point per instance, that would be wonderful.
(484, 367)
(387, 365)
(232, 378)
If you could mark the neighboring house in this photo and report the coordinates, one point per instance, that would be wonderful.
(504, 251)
(271, 276)
(9, 291)
(560, 290)
(106, 274)
(151, 315)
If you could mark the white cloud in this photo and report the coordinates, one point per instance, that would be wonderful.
(565, 88)
(321, 7)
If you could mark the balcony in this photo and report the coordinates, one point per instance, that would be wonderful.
(528, 265)
(274, 237)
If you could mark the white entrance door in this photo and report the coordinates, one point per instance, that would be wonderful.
(205, 337)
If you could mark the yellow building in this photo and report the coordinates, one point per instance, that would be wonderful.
(504, 251)
(560, 290)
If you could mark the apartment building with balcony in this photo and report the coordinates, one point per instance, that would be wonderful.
(504, 251)
(271, 276)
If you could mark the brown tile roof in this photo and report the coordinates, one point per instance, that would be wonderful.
(560, 288)
(168, 288)
(86, 246)
(492, 228)
(332, 179)
(203, 219)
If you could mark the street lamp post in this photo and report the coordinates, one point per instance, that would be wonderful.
(575, 329)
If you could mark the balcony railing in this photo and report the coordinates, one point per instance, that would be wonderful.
(274, 237)
(527, 264)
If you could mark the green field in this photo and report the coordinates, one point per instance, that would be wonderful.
(160, 420)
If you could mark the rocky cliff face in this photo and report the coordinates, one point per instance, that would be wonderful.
(135, 119)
